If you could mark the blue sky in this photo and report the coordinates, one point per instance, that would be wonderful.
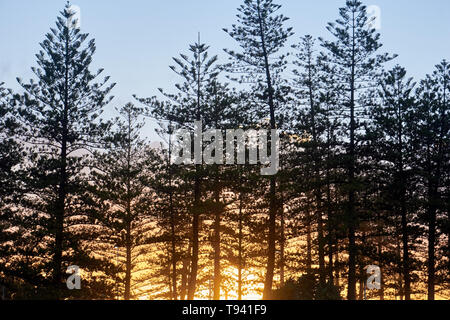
(137, 38)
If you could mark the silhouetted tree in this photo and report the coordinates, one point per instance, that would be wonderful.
(392, 120)
(353, 52)
(11, 156)
(431, 147)
(261, 34)
(201, 97)
(121, 193)
(60, 112)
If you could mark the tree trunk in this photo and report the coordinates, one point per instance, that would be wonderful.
(128, 221)
(434, 199)
(406, 275)
(197, 198)
(184, 275)
(60, 209)
(282, 243)
(380, 257)
(431, 244)
(271, 245)
(195, 242)
(174, 249)
(330, 245)
(336, 262)
(351, 294)
(317, 191)
(400, 273)
(361, 285)
(403, 208)
(240, 250)
(128, 263)
(172, 222)
(330, 220)
(59, 226)
(272, 192)
(216, 245)
(62, 192)
(321, 250)
(308, 243)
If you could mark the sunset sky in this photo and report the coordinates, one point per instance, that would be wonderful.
(356, 202)
(136, 39)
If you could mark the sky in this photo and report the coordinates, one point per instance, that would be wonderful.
(136, 39)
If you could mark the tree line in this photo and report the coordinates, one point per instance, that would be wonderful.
(364, 172)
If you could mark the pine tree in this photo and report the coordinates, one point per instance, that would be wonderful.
(431, 141)
(261, 34)
(392, 134)
(11, 156)
(310, 121)
(60, 112)
(173, 216)
(121, 193)
(353, 52)
(313, 153)
(201, 97)
(10, 148)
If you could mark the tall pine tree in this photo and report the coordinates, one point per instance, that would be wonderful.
(11, 156)
(353, 52)
(121, 194)
(431, 141)
(392, 150)
(61, 113)
(261, 34)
